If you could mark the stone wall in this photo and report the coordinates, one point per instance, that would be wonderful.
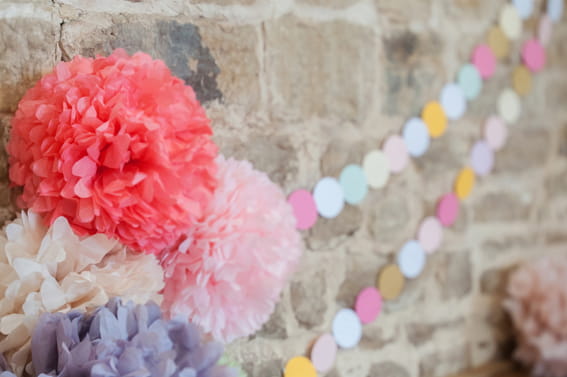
(301, 87)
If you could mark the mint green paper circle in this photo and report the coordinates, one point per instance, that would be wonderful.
(353, 183)
(470, 81)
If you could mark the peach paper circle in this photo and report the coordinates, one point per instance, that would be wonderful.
(430, 234)
(396, 153)
(324, 353)
(495, 133)
(545, 28)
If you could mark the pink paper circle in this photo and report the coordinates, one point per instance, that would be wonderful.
(533, 55)
(368, 304)
(482, 158)
(304, 208)
(323, 353)
(484, 60)
(545, 29)
(430, 234)
(397, 153)
(448, 209)
(495, 133)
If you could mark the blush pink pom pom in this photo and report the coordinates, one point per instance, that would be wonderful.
(228, 272)
(537, 303)
(117, 145)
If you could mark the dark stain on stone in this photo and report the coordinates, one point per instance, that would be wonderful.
(178, 44)
(401, 47)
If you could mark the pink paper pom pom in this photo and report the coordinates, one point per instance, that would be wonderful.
(118, 146)
(537, 303)
(228, 272)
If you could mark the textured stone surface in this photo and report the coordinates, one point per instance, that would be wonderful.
(301, 89)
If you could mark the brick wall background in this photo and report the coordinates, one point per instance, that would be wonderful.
(303, 87)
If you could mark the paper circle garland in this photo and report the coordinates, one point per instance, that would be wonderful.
(430, 234)
(353, 182)
(464, 183)
(416, 137)
(509, 106)
(324, 353)
(525, 8)
(484, 60)
(368, 304)
(510, 21)
(555, 9)
(544, 30)
(299, 366)
(304, 208)
(495, 133)
(411, 259)
(498, 42)
(533, 55)
(396, 153)
(453, 101)
(448, 209)
(329, 197)
(347, 328)
(522, 80)
(470, 81)
(482, 158)
(376, 168)
(435, 119)
(390, 282)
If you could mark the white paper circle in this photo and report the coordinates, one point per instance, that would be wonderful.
(555, 9)
(376, 168)
(411, 259)
(510, 22)
(329, 198)
(525, 8)
(347, 328)
(453, 101)
(416, 137)
(509, 106)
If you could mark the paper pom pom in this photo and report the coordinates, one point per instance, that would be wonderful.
(537, 304)
(118, 146)
(227, 273)
(123, 340)
(54, 270)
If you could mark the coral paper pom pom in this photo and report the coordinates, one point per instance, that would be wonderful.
(117, 145)
(228, 272)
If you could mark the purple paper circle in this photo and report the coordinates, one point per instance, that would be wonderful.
(448, 209)
(482, 158)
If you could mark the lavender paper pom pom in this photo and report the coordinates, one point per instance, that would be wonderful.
(123, 340)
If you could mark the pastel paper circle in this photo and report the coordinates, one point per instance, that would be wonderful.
(522, 80)
(416, 137)
(453, 101)
(498, 42)
(376, 168)
(545, 28)
(495, 133)
(304, 208)
(411, 259)
(396, 152)
(533, 55)
(448, 209)
(430, 234)
(525, 8)
(509, 106)
(434, 117)
(390, 282)
(482, 158)
(347, 328)
(484, 60)
(555, 9)
(510, 21)
(299, 366)
(353, 182)
(329, 198)
(464, 183)
(324, 353)
(368, 304)
(470, 81)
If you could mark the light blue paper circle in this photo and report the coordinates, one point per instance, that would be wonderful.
(416, 137)
(470, 81)
(353, 182)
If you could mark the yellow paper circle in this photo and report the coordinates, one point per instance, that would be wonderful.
(300, 366)
(498, 42)
(435, 119)
(390, 282)
(522, 80)
(464, 183)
